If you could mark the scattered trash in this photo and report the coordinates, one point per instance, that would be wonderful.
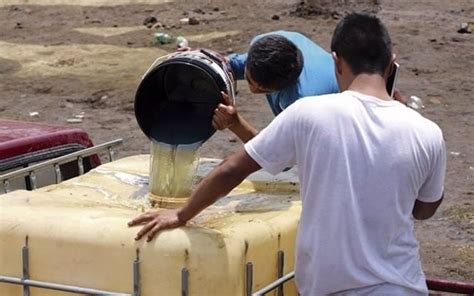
(157, 25)
(215, 9)
(415, 102)
(455, 153)
(104, 97)
(466, 28)
(163, 38)
(94, 22)
(34, 114)
(74, 120)
(189, 21)
(275, 17)
(80, 115)
(233, 140)
(193, 21)
(182, 42)
(199, 10)
(435, 99)
(150, 21)
(19, 26)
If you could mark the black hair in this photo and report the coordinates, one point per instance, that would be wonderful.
(274, 62)
(363, 42)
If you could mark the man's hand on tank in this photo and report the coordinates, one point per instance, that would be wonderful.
(155, 221)
(225, 115)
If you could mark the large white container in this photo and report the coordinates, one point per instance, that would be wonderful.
(78, 235)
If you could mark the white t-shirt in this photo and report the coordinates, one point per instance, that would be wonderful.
(362, 163)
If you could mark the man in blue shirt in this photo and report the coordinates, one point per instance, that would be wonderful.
(285, 66)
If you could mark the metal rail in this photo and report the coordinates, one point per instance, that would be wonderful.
(53, 286)
(55, 162)
(276, 284)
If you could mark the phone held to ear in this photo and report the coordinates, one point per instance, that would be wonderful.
(413, 102)
(392, 79)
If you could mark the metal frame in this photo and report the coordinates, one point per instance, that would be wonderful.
(30, 171)
(278, 284)
(26, 282)
(184, 282)
(275, 285)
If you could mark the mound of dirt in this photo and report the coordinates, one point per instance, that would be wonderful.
(335, 9)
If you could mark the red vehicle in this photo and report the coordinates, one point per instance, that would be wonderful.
(23, 144)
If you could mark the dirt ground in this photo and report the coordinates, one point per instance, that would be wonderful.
(63, 60)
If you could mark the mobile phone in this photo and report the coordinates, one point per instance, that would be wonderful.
(392, 79)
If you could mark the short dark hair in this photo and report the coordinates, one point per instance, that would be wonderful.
(274, 62)
(363, 42)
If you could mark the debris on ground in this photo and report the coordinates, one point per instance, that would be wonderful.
(275, 17)
(80, 115)
(157, 25)
(34, 114)
(182, 42)
(415, 102)
(466, 28)
(163, 38)
(435, 99)
(74, 120)
(150, 21)
(189, 21)
(199, 11)
(335, 10)
(18, 26)
(193, 21)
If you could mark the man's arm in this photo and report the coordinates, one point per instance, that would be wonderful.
(243, 129)
(226, 116)
(425, 210)
(230, 173)
(237, 63)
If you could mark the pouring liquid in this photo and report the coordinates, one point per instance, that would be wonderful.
(173, 169)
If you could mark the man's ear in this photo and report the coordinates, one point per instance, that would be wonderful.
(337, 63)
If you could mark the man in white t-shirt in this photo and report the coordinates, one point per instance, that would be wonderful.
(367, 164)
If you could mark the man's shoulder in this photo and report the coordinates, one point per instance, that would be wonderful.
(323, 102)
(421, 123)
(429, 128)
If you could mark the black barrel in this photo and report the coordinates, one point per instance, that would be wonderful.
(176, 99)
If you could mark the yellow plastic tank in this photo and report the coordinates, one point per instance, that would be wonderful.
(78, 235)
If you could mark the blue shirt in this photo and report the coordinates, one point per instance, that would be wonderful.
(316, 78)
